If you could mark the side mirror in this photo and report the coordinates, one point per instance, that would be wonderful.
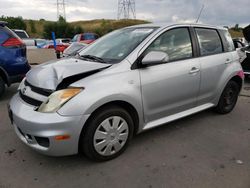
(155, 57)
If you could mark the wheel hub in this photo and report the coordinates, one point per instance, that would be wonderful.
(111, 135)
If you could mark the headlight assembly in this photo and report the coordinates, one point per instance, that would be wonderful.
(57, 99)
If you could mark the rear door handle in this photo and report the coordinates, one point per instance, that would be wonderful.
(194, 70)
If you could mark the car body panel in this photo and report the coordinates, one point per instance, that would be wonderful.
(158, 93)
(13, 60)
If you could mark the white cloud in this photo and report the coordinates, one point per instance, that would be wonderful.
(217, 12)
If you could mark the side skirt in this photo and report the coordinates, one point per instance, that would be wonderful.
(170, 118)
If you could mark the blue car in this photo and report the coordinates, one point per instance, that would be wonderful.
(13, 62)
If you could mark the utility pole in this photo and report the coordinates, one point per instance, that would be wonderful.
(126, 9)
(61, 9)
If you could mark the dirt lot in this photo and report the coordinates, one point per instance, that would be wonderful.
(205, 150)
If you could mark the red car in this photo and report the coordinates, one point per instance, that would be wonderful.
(86, 38)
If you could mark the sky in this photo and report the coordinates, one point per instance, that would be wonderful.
(216, 12)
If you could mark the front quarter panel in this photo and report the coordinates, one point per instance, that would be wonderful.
(118, 83)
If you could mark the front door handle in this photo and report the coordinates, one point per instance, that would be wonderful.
(228, 61)
(194, 70)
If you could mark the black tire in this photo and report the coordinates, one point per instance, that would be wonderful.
(228, 98)
(87, 137)
(2, 86)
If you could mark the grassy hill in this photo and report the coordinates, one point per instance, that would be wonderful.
(88, 26)
(96, 26)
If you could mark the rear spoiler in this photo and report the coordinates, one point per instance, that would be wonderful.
(246, 33)
(3, 23)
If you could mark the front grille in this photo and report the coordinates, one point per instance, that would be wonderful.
(45, 92)
(29, 100)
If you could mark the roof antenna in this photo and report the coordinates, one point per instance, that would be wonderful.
(202, 8)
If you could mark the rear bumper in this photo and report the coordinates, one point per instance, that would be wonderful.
(38, 130)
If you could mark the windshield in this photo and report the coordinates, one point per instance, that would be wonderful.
(75, 38)
(117, 45)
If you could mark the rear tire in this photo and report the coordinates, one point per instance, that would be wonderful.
(228, 98)
(107, 133)
(2, 86)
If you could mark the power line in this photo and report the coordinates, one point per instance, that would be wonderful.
(126, 9)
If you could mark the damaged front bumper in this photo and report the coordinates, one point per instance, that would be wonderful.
(41, 130)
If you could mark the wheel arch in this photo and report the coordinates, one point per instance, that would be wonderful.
(123, 104)
(4, 76)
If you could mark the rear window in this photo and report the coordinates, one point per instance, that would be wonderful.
(88, 37)
(21, 34)
(209, 41)
(65, 40)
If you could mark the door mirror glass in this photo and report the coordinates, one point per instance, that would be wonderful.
(155, 57)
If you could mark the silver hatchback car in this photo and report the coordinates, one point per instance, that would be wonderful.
(128, 81)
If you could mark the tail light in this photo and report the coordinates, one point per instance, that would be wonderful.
(13, 42)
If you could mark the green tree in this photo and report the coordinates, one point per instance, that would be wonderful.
(61, 28)
(32, 26)
(14, 22)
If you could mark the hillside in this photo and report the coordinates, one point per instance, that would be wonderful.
(96, 26)
(87, 26)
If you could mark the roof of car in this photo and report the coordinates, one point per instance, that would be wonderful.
(3, 23)
(165, 25)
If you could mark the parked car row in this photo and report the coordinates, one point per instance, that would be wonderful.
(61, 43)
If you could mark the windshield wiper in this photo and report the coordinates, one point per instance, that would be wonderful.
(92, 57)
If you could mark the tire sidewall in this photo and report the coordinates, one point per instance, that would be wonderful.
(87, 138)
(221, 107)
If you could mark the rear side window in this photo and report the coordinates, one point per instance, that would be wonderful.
(209, 41)
(176, 43)
(228, 44)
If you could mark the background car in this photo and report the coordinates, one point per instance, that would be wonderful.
(246, 62)
(85, 38)
(29, 42)
(73, 49)
(13, 61)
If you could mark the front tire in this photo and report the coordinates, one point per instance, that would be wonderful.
(107, 133)
(2, 86)
(228, 98)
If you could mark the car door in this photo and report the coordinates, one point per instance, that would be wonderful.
(214, 61)
(171, 87)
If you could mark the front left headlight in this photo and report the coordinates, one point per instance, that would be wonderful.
(57, 99)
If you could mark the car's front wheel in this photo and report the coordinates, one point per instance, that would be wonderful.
(107, 133)
(2, 86)
(228, 98)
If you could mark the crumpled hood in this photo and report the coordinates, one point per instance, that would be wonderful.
(50, 75)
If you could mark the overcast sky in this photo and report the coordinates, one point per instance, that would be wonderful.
(216, 12)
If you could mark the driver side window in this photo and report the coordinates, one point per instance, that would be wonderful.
(176, 43)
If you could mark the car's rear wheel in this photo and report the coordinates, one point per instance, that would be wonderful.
(228, 98)
(2, 86)
(107, 134)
